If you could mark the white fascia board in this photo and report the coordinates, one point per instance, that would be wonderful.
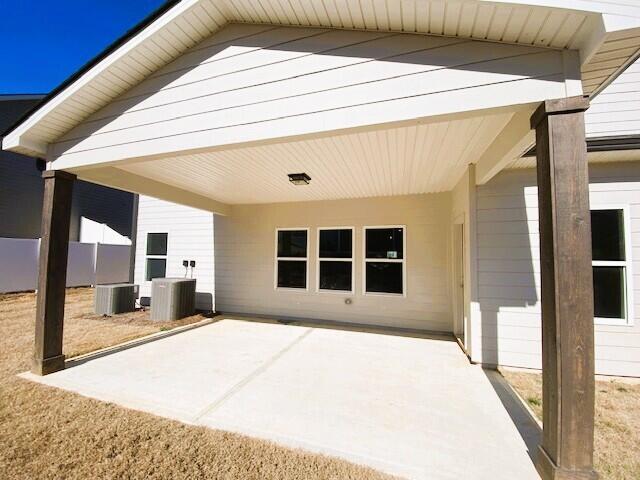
(24, 145)
(19, 136)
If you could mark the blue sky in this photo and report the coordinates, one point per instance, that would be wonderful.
(45, 41)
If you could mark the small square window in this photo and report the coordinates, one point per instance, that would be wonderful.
(156, 268)
(157, 243)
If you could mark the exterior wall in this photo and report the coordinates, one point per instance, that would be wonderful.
(509, 270)
(257, 82)
(21, 191)
(245, 261)
(190, 237)
(616, 111)
(22, 188)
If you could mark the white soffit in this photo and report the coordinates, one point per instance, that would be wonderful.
(405, 160)
(543, 23)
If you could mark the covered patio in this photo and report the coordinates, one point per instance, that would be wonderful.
(408, 404)
(395, 121)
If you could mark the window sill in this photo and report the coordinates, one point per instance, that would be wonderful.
(615, 322)
(382, 294)
(292, 289)
(335, 292)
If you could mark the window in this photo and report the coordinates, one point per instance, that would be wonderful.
(335, 259)
(384, 260)
(611, 265)
(291, 258)
(156, 264)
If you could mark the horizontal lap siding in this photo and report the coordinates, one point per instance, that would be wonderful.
(245, 249)
(616, 111)
(190, 237)
(509, 269)
(249, 82)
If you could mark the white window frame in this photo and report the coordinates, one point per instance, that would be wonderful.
(366, 260)
(331, 259)
(627, 264)
(146, 257)
(297, 259)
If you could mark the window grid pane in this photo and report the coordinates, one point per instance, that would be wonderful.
(336, 243)
(157, 243)
(609, 292)
(292, 274)
(156, 268)
(384, 243)
(292, 243)
(335, 275)
(384, 277)
(607, 235)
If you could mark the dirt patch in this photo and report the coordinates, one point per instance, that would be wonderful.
(47, 433)
(617, 422)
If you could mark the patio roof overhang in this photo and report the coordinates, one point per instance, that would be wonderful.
(573, 51)
(454, 92)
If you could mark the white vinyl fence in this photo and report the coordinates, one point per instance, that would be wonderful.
(88, 264)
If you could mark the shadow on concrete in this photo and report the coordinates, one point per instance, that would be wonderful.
(334, 325)
(527, 425)
(79, 360)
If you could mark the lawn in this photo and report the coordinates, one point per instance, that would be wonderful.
(47, 433)
(617, 423)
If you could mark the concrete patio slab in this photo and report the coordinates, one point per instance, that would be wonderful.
(408, 405)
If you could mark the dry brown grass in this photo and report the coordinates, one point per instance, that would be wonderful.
(47, 433)
(617, 423)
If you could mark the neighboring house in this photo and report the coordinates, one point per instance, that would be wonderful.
(22, 187)
(361, 166)
(168, 235)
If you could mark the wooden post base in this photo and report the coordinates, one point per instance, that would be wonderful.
(45, 366)
(548, 470)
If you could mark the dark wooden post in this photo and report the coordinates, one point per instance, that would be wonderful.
(52, 271)
(567, 291)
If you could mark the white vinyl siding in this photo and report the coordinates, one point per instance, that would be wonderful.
(254, 82)
(509, 269)
(190, 237)
(616, 111)
(245, 258)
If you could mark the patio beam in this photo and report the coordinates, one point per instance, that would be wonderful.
(568, 384)
(52, 272)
